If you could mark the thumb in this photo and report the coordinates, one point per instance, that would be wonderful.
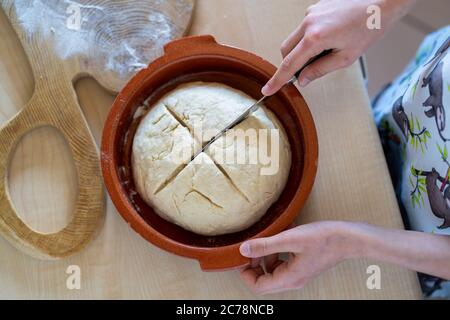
(323, 66)
(262, 247)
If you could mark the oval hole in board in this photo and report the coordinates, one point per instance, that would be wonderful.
(42, 180)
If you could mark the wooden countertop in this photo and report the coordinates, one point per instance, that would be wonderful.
(352, 181)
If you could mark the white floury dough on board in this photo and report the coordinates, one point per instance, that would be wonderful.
(99, 28)
(207, 196)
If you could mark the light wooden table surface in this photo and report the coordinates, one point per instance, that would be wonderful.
(352, 181)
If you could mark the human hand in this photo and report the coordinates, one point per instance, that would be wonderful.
(332, 24)
(313, 248)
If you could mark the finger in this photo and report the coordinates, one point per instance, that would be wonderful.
(323, 66)
(270, 262)
(290, 65)
(266, 246)
(276, 265)
(249, 275)
(292, 40)
(280, 279)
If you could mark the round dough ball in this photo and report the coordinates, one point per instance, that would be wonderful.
(224, 189)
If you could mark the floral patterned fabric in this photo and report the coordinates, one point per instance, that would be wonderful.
(413, 117)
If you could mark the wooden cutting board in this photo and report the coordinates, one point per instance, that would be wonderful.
(66, 40)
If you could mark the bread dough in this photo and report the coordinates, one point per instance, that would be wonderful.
(211, 195)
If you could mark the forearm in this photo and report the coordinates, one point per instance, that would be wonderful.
(417, 251)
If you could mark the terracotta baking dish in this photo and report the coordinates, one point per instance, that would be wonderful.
(202, 58)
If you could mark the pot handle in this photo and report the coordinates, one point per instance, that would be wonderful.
(195, 43)
(222, 260)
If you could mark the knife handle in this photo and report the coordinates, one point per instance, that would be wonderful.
(312, 60)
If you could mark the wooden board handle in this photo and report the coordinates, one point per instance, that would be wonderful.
(63, 113)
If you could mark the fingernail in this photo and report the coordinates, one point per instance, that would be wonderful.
(245, 249)
(304, 82)
(265, 90)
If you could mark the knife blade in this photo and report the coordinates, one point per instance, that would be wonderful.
(244, 115)
(231, 125)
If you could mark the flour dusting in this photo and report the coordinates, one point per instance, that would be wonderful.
(122, 42)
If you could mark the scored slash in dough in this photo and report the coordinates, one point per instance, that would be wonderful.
(207, 196)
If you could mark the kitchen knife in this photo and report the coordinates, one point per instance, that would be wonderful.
(256, 105)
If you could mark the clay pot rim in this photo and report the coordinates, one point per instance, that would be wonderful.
(108, 149)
